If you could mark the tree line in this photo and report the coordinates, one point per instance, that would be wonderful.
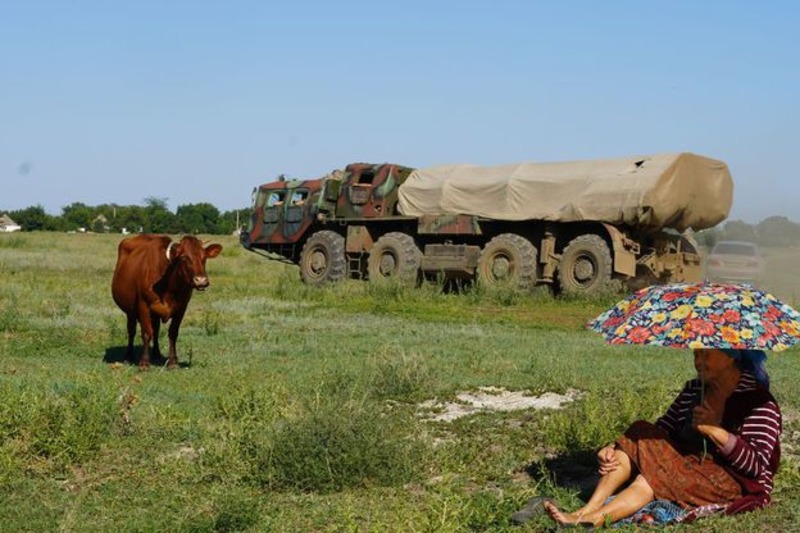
(772, 231)
(151, 217)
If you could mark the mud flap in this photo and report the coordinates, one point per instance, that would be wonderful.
(625, 251)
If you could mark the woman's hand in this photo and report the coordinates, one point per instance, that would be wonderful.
(708, 422)
(607, 457)
(703, 416)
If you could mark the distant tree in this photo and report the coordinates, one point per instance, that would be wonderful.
(153, 216)
(233, 220)
(778, 231)
(197, 218)
(132, 218)
(158, 219)
(77, 215)
(739, 230)
(35, 218)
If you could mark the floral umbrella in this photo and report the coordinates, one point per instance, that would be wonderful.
(701, 315)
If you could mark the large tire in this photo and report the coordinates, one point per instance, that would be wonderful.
(585, 267)
(508, 261)
(322, 259)
(394, 256)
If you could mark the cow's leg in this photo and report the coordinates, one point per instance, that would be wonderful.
(156, 330)
(131, 335)
(147, 335)
(174, 328)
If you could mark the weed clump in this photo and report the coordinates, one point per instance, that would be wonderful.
(339, 440)
(211, 322)
(334, 447)
(401, 376)
(51, 430)
(235, 512)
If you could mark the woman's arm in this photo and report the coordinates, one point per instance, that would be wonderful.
(750, 450)
(756, 441)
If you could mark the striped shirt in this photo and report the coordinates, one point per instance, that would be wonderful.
(753, 419)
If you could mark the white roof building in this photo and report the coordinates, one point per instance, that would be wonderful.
(7, 225)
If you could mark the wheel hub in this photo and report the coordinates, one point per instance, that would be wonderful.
(318, 262)
(388, 265)
(584, 269)
(501, 267)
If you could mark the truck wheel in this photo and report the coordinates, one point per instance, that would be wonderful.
(585, 266)
(395, 255)
(322, 259)
(508, 260)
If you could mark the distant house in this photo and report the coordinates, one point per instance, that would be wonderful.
(100, 224)
(7, 225)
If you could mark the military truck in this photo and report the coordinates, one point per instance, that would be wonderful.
(572, 225)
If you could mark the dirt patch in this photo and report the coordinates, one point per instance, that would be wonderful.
(494, 399)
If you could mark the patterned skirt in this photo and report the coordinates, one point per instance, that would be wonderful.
(684, 478)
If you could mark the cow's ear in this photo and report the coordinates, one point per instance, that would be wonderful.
(213, 250)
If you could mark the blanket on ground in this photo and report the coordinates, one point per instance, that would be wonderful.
(660, 512)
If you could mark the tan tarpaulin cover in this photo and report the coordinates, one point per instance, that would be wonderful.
(665, 190)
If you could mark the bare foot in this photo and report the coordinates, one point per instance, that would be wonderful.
(562, 518)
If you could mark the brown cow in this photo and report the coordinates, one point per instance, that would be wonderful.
(153, 283)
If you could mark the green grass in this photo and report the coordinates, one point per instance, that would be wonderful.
(297, 411)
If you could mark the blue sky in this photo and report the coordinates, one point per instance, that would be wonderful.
(105, 102)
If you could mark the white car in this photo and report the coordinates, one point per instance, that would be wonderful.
(735, 261)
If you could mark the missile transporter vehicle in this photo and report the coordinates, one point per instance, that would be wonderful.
(572, 225)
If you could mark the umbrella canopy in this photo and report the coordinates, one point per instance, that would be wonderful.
(701, 315)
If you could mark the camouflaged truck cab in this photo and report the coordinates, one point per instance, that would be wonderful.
(573, 226)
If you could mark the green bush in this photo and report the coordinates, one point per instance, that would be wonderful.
(331, 447)
(337, 441)
(243, 418)
(55, 428)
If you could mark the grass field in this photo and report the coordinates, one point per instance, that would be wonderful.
(296, 409)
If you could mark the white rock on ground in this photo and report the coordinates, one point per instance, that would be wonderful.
(495, 399)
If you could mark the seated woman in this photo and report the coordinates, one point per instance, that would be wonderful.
(739, 421)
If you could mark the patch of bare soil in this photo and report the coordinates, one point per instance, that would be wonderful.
(494, 399)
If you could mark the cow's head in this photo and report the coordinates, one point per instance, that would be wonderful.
(190, 259)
